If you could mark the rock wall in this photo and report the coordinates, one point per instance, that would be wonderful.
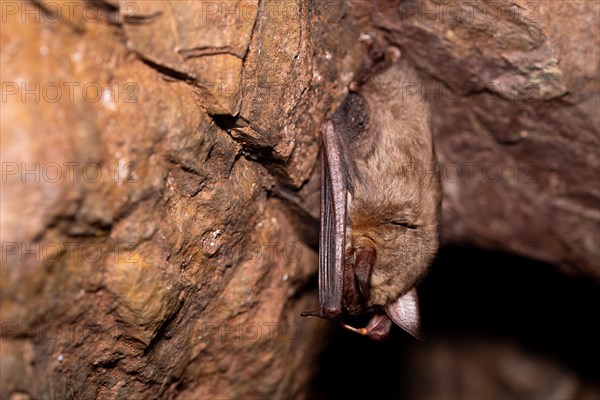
(159, 185)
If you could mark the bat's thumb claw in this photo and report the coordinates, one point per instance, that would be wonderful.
(367, 38)
(310, 313)
(393, 54)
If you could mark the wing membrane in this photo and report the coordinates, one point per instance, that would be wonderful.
(333, 223)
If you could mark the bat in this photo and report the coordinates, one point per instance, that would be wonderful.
(380, 199)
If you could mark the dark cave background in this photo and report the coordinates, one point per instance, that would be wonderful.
(475, 305)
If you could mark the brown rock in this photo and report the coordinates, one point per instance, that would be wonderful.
(159, 184)
(515, 103)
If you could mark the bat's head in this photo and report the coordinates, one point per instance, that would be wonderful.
(395, 243)
(392, 240)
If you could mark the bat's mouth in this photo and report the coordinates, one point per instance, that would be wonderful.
(378, 328)
(404, 312)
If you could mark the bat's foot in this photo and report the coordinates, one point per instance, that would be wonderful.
(375, 60)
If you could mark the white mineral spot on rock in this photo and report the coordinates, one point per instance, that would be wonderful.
(77, 56)
(107, 99)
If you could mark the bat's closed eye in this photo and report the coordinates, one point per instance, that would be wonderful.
(403, 224)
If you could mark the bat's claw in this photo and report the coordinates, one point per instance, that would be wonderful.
(354, 86)
(326, 313)
(393, 54)
(367, 38)
(316, 313)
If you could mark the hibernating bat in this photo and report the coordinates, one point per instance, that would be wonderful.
(380, 199)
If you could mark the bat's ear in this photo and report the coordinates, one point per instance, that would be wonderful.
(405, 313)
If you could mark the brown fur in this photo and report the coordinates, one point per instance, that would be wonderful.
(395, 193)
